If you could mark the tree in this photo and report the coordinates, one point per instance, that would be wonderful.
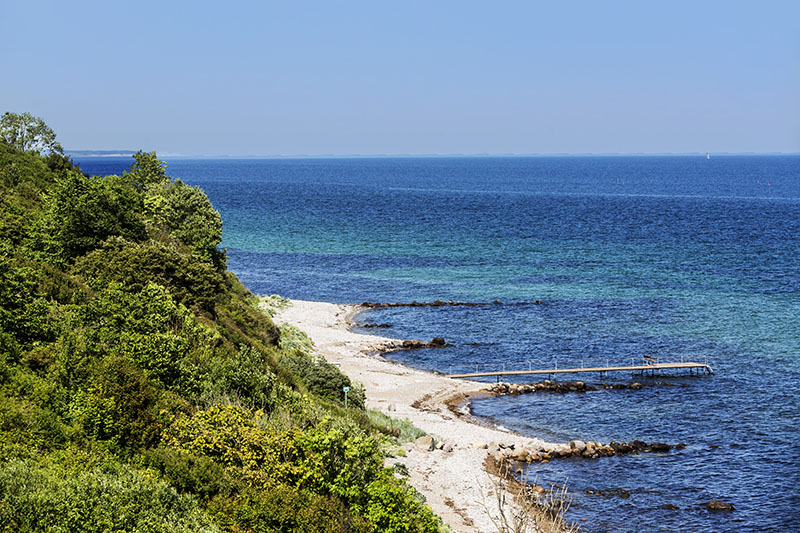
(147, 169)
(82, 212)
(28, 134)
(186, 213)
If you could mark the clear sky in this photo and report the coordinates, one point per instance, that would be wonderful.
(412, 77)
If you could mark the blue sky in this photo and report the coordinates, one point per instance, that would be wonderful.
(410, 77)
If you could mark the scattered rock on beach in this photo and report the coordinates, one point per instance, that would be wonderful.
(425, 443)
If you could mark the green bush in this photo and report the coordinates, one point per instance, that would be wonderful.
(323, 378)
(133, 265)
(246, 378)
(47, 498)
(82, 212)
(395, 507)
(284, 508)
(189, 473)
(119, 406)
(185, 213)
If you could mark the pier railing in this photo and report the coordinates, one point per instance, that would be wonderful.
(599, 364)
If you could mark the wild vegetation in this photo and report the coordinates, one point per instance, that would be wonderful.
(144, 388)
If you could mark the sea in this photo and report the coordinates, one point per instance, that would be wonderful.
(665, 256)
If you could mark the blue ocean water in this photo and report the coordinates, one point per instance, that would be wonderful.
(664, 255)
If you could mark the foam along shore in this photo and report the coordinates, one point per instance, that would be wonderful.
(454, 481)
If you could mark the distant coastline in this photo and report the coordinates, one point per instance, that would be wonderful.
(125, 153)
(100, 153)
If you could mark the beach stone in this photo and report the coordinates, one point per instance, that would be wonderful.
(481, 445)
(437, 342)
(577, 446)
(425, 443)
(716, 505)
(448, 446)
(413, 344)
(391, 407)
(660, 447)
(670, 507)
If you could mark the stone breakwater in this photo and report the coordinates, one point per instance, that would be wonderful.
(436, 342)
(577, 449)
(564, 387)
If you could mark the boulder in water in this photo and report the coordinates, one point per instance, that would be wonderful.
(716, 505)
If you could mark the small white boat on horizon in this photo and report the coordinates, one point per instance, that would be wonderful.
(708, 155)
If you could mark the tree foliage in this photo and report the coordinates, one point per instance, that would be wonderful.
(27, 133)
(184, 212)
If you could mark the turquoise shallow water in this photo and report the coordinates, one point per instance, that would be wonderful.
(630, 255)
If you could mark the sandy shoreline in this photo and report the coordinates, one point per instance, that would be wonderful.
(455, 483)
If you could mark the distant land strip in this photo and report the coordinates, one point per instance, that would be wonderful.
(442, 303)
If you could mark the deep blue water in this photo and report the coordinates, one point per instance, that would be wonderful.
(630, 255)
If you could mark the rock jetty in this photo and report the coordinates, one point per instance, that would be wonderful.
(562, 387)
(578, 449)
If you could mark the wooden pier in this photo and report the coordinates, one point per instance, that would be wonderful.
(643, 366)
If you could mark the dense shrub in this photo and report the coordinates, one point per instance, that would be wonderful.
(323, 378)
(283, 508)
(185, 213)
(119, 406)
(82, 212)
(246, 377)
(193, 474)
(132, 265)
(46, 498)
(394, 507)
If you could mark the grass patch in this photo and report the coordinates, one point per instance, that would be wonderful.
(273, 303)
(293, 339)
(402, 430)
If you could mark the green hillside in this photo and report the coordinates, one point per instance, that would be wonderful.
(144, 388)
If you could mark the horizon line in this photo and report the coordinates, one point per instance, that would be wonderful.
(166, 155)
